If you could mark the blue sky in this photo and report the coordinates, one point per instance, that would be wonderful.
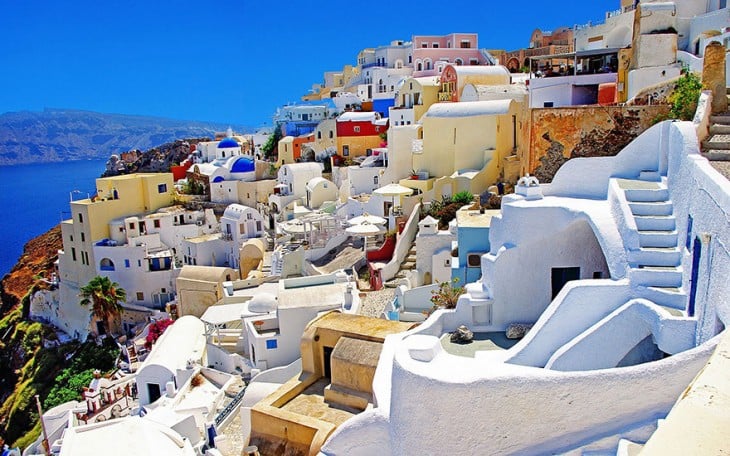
(227, 61)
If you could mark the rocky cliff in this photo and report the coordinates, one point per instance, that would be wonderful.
(59, 135)
(155, 160)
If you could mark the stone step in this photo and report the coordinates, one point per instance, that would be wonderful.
(656, 276)
(655, 256)
(644, 195)
(723, 119)
(409, 265)
(655, 222)
(719, 129)
(672, 297)
(721, 142)
(717, 155)
(657, 238)
(657, 208)
(650, 176)
(411, 257)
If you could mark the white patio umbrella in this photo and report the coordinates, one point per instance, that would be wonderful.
(365, 230)
(393, 190)
(367, 218)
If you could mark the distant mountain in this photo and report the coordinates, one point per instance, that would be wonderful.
(60, 135)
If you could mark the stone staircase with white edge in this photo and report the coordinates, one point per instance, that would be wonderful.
(408, 264)
(655, 267)
(717, 146)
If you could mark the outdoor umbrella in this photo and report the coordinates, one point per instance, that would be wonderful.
(367, 218)
(365, 230)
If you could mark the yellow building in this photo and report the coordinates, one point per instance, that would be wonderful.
(325, 136)
(340, 353)
(465, 144)
(413, 99)
(116, 197)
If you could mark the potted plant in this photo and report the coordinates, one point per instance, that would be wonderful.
(414, 175)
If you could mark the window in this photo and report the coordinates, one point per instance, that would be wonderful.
(375, 180)
(474, 260)
(73, 253)
(357, 129)
(83, 237)
(249, 216)
(424, 45)
(71, 238)
(271, 344)
(81, 218)
(156, 223)
(121, 229)
(140, 296)
(139, 263)
(242, 228)
(435, 45)
(131, 226)
(162, 188)
(345, 151)
(331, 134)
(319, 135)
(473, 62)
(258, 225)
(410, 59)
(126, 263)
(465, 44)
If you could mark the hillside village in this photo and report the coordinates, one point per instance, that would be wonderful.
(440, 249)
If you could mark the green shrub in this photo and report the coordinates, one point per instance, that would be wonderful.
(685, 96)
(463, 198)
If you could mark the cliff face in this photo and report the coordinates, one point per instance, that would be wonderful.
(37, 259)
(158, 159)
(20, 339)
(57, 135)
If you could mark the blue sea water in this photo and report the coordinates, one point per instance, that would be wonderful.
(36, 197)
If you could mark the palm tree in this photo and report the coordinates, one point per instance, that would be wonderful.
(106, 298)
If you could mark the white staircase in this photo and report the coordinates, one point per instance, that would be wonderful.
(655, 266)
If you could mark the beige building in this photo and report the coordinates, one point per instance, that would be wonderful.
(340, 353)
(199, 287)
(413, 99)
(465, 144)
(116, 197)
(325, 136)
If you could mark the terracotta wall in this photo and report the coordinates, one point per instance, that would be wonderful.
(556, 135)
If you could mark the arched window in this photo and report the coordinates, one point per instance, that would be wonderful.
(419, 65)
(459, 62)
(106, 264)
(428, 64)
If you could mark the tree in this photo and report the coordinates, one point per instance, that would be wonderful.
(270, 148)
(105, 297)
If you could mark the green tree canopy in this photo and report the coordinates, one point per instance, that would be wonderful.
(105, 297)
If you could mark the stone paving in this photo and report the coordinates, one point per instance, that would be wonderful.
(374, 302)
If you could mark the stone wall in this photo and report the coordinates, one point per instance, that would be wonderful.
(558, 134)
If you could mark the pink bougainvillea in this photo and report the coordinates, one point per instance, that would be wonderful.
(155, 331)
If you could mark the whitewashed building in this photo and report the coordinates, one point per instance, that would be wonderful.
(619, 263)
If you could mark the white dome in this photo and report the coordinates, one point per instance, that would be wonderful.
(262, 303)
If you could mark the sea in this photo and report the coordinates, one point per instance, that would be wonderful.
(36, 198)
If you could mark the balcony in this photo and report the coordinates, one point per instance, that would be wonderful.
(444, 96)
